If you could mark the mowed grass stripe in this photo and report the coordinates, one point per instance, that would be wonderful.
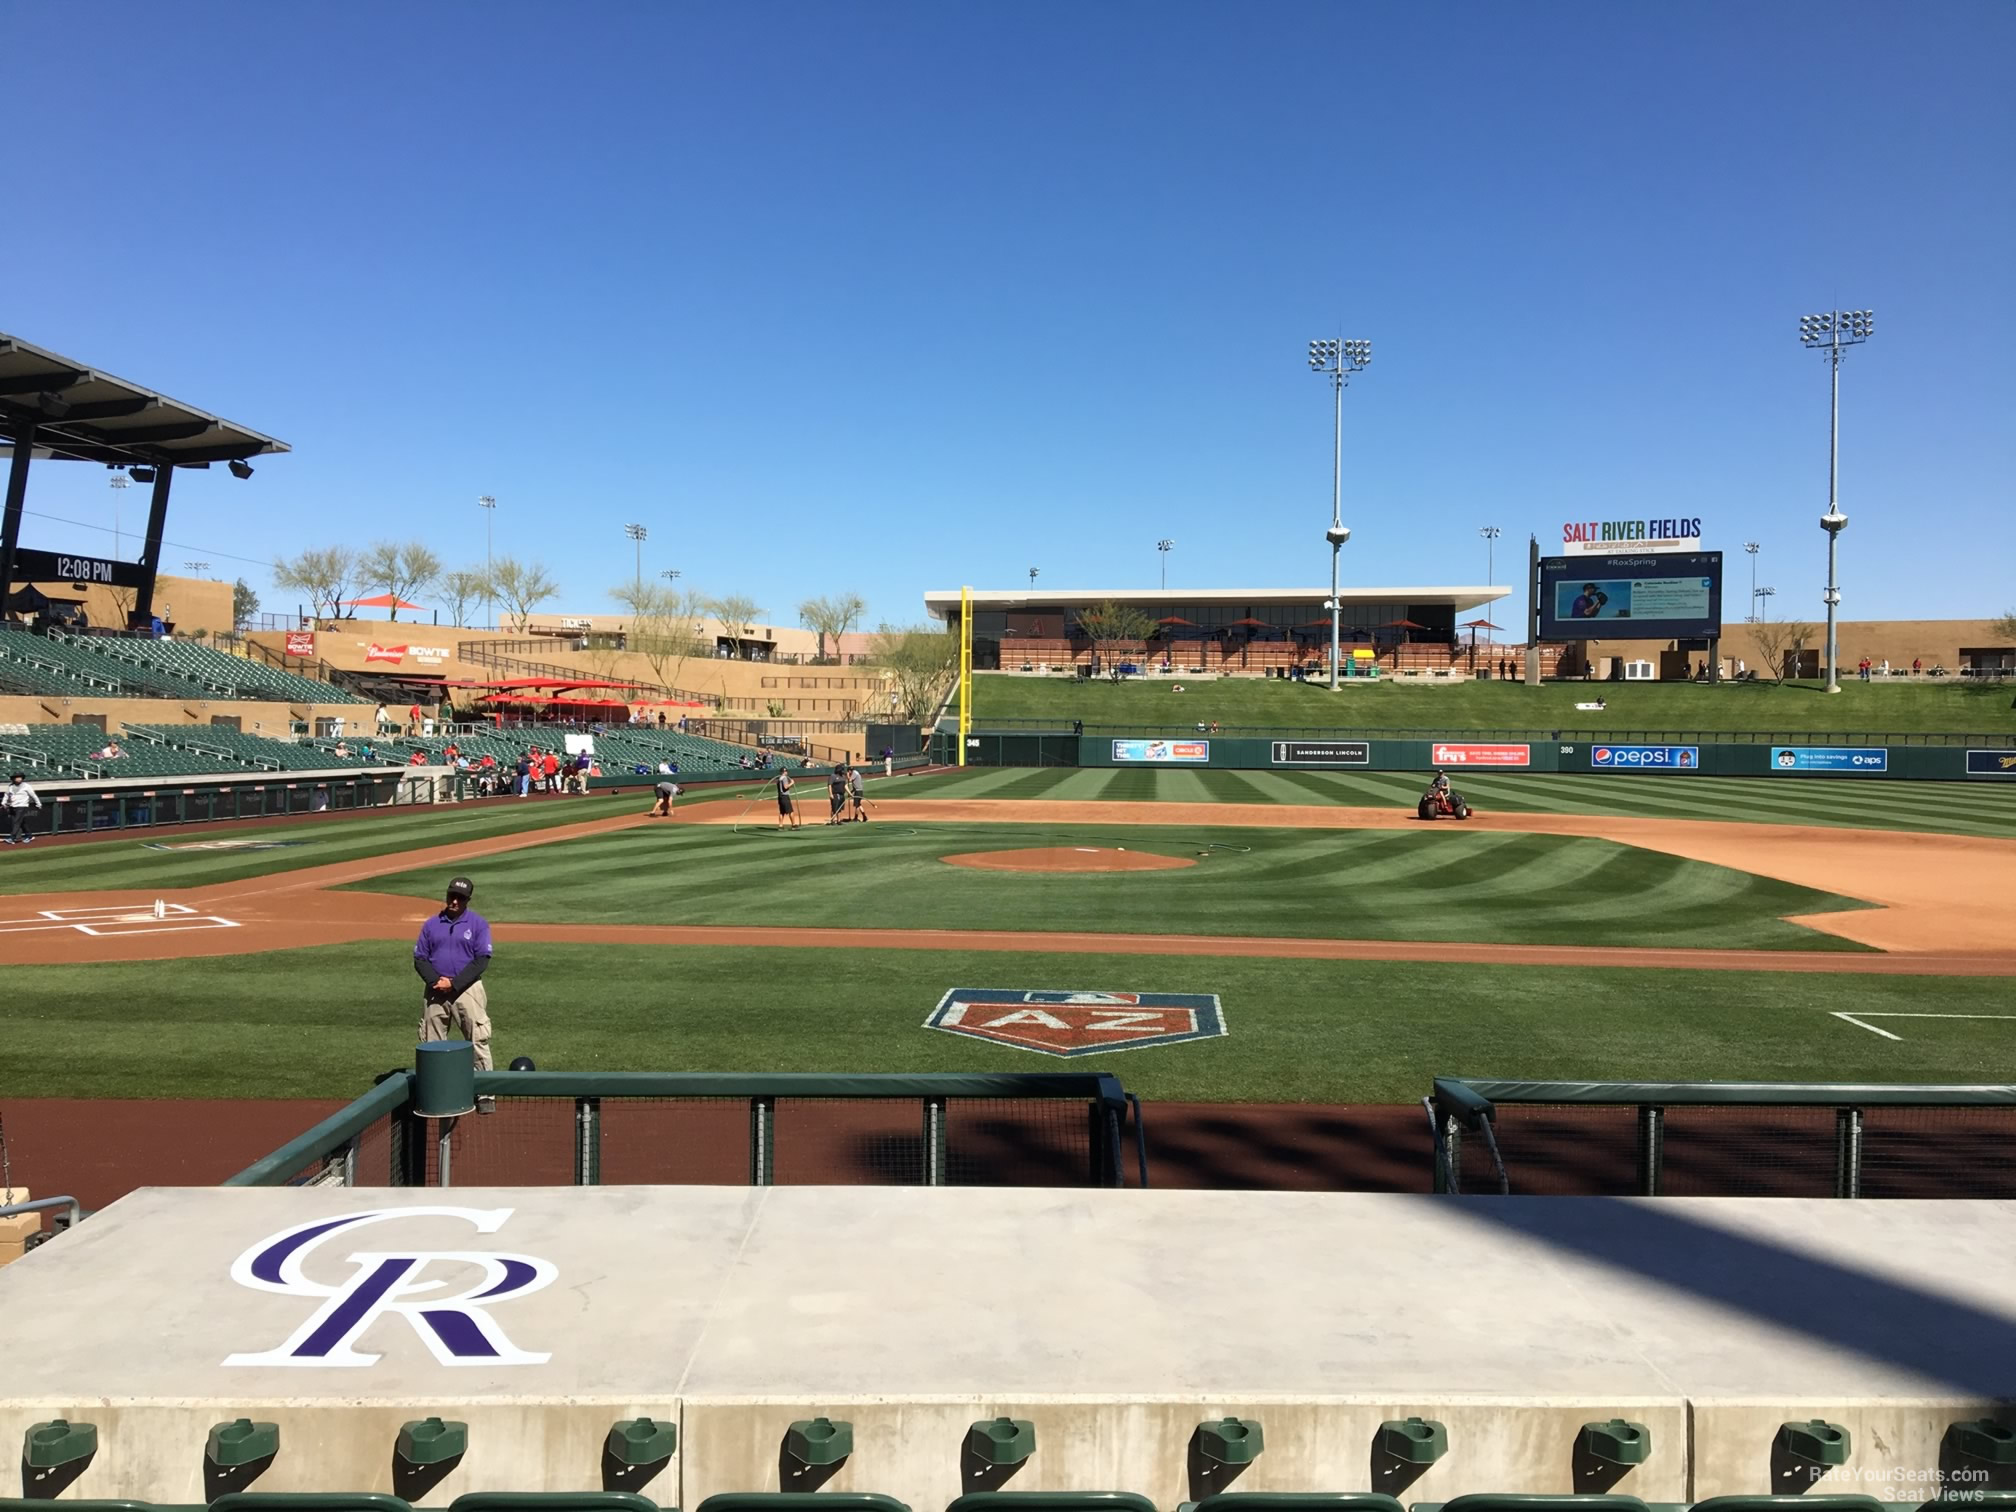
(1848, 803)
(1300, 1031)
(1434, 883)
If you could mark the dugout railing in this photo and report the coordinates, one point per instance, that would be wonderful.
(560, 1128)
(1722, 1139)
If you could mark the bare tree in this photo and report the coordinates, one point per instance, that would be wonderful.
(663, 627)
(244, 604)
(521, 587)
(833, 616)
(737, 613)
(461, 590)
(1781, 641)
(2004, 628)
(399, 568)
(916, 662)
(1112, 626)
(326, 574)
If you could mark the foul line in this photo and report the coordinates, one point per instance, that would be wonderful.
(1856, 1020)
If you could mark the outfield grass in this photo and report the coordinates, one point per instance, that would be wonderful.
(1436, 883)
(1300, 1031)
(1848, 803)
(1444, 708)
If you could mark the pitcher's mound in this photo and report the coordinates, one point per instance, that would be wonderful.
(1068, 858)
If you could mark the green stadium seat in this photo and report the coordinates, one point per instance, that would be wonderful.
(1509, 1502)
(1295, 1501)
(1062, 1501)
(1808, 1503)
(802, 1501)
(309, 1501)
(555, 1501)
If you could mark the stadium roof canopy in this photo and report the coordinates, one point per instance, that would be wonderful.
(56, 409)
(944, 603)
(80, 414)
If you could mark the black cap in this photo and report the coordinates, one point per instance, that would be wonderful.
(462, 888)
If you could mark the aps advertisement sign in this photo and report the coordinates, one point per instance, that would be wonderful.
(1829, 759)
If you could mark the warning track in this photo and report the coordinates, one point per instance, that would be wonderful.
(1945, 905)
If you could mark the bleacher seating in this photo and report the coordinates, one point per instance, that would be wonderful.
(49, 664)
(53, 752)
(220, 675)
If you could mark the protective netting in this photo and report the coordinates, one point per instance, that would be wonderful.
(648, 1141)
(1731, 1150)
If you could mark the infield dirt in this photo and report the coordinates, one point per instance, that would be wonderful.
(1944, 904)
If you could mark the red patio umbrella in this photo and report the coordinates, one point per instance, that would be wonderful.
(1473, 626)
(389, 602)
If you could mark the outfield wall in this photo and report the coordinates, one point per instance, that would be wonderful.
(1482, 753)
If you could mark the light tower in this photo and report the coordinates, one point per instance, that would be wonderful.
(1832, 333)
(1337, 360)
(1490, 534)
(1753, 547)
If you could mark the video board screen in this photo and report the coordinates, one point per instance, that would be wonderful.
(1651, 596)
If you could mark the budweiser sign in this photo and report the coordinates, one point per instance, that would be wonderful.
(300, 642)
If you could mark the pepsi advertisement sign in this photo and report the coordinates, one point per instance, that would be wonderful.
(1829, 759)
(1645, 758)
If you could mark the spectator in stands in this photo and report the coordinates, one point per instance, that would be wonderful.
(413, 720)
(418, 758)
(342, 750)
(109, 752)
(661, 719)
(384, 720)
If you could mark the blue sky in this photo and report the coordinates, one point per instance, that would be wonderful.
(888, 297)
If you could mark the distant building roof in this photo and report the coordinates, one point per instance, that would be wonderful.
(943, 603)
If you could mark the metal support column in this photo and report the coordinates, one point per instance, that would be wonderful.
(150, 553)
(17, 493)
(1533, 611)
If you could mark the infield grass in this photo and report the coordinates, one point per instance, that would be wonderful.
(324, 1022)
(1436, 883)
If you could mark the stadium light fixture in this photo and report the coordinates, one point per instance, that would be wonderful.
(1337, 360)
(1832, 332)
(118, 491)
(197, 566)
(637, 533)
(1032, 578)
(240, 468)
(1164, 547)
(1490, 534)
(488, 505)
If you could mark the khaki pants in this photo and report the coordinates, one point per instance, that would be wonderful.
(467, 1017)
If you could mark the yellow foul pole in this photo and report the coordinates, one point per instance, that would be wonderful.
(965, 669)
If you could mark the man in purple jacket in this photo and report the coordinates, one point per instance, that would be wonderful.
(450, 957)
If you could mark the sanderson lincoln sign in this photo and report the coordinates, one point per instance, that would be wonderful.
(1606, 536)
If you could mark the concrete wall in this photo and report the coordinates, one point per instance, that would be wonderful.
(190, 603)
(1116, 1321)
(255, 717)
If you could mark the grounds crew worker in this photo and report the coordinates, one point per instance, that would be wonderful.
(17, 798)
(450, 956)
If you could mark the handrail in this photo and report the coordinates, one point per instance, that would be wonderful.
(43, 1205)
(335, 1131)
(1458, 1091)
(1079, 1085)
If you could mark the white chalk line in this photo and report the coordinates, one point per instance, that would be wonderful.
(115, 920)
(1856, 1019)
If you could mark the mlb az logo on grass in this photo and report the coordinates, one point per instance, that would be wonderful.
(1057, 1022)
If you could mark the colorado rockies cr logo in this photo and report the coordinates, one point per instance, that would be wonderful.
(458, 1329)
